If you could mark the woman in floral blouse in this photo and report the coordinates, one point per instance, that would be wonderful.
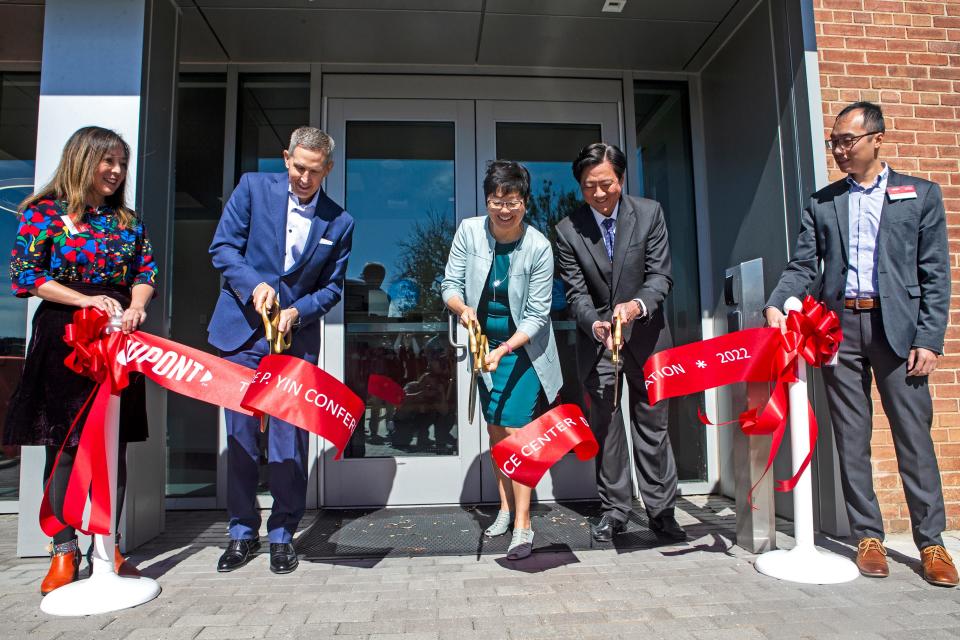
(77, 246)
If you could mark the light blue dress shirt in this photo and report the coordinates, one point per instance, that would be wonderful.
(299, 219)
(865, 205)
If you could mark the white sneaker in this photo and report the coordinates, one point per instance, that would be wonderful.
(521, 545)
(501, 525)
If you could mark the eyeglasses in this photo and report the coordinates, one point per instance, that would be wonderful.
(847, 143)
(511, 205)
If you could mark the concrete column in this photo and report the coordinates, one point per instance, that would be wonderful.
(113, 63)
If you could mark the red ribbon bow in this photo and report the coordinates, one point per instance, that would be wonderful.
(813, 333)
(94, 356)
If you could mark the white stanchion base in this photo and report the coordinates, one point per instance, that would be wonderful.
(808, 565)
(102, 593)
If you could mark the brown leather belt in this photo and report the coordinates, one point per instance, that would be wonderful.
(861, 304)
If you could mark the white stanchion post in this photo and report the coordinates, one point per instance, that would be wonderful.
(804, 563)
(104, 590)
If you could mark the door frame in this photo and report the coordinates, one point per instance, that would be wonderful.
(576, 479)
(341, 488)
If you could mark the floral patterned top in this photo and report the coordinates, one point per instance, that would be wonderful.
(98, 251)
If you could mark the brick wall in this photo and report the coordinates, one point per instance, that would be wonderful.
(906, 57)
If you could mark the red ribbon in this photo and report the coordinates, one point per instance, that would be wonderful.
(387, 389)
(289, 388)
(752, 355)
(526, 454)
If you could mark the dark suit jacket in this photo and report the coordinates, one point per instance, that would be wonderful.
(640, 269)
(248, 248)
(913, 262)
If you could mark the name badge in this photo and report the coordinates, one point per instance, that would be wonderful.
(908, 192)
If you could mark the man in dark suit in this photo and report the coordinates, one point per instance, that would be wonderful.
(281, 241)
(615, 261)
(882, 238)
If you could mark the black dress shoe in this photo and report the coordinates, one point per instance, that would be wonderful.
(283, 559)
(239, 553)
(666, 526)
(608, 527)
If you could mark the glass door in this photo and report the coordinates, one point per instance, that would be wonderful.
(404, 169)
(546, 137)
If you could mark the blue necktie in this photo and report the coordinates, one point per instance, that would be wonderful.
(608, 236)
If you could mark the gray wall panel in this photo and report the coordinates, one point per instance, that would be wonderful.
(741, 121)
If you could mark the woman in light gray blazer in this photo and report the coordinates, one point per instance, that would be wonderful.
(500, 273)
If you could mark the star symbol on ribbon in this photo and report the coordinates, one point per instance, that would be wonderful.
(701, 364)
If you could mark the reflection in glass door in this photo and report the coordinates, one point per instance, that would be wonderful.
(402, 169)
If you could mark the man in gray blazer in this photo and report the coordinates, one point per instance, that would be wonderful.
(882, 239)
(614, 259)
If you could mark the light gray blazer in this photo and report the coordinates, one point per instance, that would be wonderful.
(529, 289)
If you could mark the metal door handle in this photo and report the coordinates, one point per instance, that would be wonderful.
(452, 332)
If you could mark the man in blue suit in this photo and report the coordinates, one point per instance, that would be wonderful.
(280, 241)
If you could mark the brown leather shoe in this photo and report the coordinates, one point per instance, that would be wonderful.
(64, 567)
(872, 558)
(938, 566)
(122, 566)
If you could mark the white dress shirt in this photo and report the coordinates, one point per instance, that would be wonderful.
(299, 218)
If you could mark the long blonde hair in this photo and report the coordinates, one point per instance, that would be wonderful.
(73, 178)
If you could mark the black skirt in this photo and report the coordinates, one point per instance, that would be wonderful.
(49, 395)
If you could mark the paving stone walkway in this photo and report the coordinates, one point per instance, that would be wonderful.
(705, 589)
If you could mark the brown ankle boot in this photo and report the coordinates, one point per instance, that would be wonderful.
(64, 567)
(122, 566)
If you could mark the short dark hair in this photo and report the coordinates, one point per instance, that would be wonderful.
(506, 176)
(596, 153)
(872, 115)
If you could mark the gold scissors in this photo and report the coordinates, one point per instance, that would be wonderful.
(279, 342)
(615, 359)
(479, 348)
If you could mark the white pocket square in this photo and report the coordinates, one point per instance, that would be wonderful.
(325, 241)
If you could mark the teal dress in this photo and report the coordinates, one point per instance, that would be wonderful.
(512, 402)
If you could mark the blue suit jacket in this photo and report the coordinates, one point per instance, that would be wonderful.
(248, 248)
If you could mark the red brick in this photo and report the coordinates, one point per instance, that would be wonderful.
(923, 7)
(881, 57)
(937, 59)
(886, 481)
(947, 22)
(913, 124)
(893, 83)
(902, 110)
(945, 47)
(926, 151)
(921, 34)
(906, 45)
(947, 391)
(865, 70)
(949, 450)
(896, 525)
(936, 138)
(849, 5)
(844, 30)
(883, 6)
(872, 44)
(934, 112)
(849, 82)
(945, 73)
(921, 84)
(842, 55)
(882, 31)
